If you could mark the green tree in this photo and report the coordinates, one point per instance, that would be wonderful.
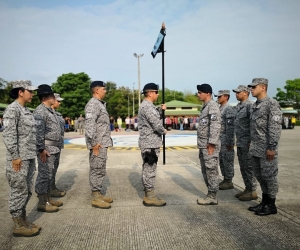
(170, 95)
(4, 91)
(75, 89)
(291, 96)
(191, 97)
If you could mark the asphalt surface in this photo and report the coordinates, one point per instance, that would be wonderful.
(181, 224)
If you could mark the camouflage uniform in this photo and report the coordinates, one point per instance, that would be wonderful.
(227, 139)
(265, 129)
(19, 137)
(208, 132)
(62, 130)
(97, 130)
(151, 130)
(48, 138)
(242, 131)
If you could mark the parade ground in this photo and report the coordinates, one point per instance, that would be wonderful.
(181, 224)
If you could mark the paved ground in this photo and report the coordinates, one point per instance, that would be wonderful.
(182, 224)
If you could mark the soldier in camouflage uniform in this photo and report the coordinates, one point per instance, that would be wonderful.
(151, 129)
(208, 140)
(19, 137)
(97, 137)
(227, 140)
(242, 131)
(55, 192)
(48, 147)
(265, 129)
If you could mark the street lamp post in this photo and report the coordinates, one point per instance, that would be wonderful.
(128, 107)
(139, 80)
(133, 100)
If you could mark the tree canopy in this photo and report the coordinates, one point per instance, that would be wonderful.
(290, 96)
(75, 89)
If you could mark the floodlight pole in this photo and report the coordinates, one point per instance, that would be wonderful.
(163, 92)
(139, 77)
(133, 100)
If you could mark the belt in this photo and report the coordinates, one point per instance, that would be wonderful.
(52, 143)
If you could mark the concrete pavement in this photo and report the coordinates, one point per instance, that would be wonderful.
(181, 224)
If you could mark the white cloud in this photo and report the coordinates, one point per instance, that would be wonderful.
(224, 43)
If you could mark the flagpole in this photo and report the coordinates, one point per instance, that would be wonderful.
(163, 92)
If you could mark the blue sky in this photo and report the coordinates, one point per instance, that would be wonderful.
(223, 43)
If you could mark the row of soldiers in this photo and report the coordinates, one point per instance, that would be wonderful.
(41, 134)
(27, 136)
(257, 127)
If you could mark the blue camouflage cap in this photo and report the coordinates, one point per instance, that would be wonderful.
(223, 92)
(241, 88)
(257, 81)
(26, 84)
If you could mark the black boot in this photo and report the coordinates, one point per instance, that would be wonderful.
(269, 208)
(261, 205)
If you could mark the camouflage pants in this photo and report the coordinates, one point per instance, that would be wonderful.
(209, 168)
(246, 168)
(45, 173)
(20, 184)
(266, 174)
(97, 169)
(56, 164)
(226, 159)
(149, 171)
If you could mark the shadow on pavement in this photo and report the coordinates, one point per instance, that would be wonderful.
(136, 182)
(185, 184)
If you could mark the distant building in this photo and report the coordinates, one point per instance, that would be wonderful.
(179, 108)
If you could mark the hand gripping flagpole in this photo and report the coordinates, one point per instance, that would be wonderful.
(159, 48)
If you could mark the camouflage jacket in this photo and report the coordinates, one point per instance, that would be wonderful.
(48, 128)
(227, 125)
(62, 127)
(208, 131)
(97, 126)
(150, 126)
(265, 126)
(19, 135)
(242, 123)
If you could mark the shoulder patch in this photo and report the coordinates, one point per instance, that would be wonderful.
(213, 117)
(5, 122)
(276, 118)
(88, 115)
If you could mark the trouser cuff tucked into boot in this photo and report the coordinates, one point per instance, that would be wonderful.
(150, 200)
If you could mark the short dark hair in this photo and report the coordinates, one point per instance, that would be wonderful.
(44, 96)
(14, 93)
(228, 97)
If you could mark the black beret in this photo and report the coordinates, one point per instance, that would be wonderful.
(97, 84)
(205, 88)
(44, 89)
(150, 86)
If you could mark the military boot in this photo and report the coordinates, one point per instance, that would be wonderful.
(98, 202)
(261, 205)
(21, 229)
(227, 184)
(240, 194)
(55, 192)
(151, 201)
(248, 196)
(30, 224)
(56, 203)
(45, 206)
(268, 208)
(106, 198)
(221, 182)
(210, 199)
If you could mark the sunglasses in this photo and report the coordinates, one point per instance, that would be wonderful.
(253, 87)
(155, 91)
